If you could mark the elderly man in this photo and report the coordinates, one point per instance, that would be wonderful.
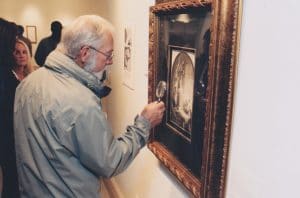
(63, 140)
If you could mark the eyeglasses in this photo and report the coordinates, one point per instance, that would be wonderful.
(107, 56)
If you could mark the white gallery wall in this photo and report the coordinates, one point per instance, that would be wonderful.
(263, 158)
(145, 177)
(264, 161)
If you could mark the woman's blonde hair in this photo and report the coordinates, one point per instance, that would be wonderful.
(29, 66)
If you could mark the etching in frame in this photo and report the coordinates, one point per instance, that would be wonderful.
(180, 83)
(208, 32)
(31, 33)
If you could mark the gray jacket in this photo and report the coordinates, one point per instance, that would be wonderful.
(63, 140)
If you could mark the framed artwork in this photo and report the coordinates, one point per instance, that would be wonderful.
(128, 58)
(193, 47)
(180, 83)
(31, 33)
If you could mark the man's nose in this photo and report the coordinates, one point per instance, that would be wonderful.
(109, 62)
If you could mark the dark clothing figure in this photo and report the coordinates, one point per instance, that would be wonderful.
(48, 44)
(8, 84)
(23, 38)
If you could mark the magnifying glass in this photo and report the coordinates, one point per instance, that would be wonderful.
(161, 89)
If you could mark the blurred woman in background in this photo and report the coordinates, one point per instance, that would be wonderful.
(23, 65)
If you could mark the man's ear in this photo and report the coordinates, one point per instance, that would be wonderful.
(83, 55)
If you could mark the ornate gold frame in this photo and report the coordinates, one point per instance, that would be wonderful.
(223, 49)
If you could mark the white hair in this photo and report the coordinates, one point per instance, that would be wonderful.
(86, 30)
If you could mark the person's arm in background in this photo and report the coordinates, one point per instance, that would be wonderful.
(40, 54)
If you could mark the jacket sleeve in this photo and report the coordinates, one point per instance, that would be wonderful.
(89, 136)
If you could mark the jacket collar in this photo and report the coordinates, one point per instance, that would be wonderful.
(61, 63)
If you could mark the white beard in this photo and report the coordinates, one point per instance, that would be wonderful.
(99, 74)
(90, 65)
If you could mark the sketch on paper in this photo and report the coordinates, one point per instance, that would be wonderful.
(128, 69)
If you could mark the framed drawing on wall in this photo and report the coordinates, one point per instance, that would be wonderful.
(31, 33)
(193, 47)
(128, 58)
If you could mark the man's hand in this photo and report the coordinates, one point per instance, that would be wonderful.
(154, 112)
